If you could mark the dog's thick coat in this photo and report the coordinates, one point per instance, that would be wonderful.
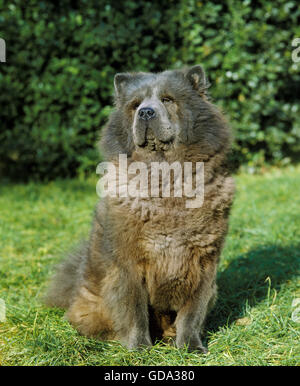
(149, 268)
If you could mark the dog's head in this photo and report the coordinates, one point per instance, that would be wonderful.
(159, 112)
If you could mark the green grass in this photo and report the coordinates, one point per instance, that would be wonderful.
(258, 277)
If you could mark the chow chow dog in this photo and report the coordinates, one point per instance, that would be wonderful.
(148, 270)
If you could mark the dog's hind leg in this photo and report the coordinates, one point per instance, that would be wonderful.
(89, 316)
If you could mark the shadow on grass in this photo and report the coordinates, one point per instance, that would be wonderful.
(244, 281)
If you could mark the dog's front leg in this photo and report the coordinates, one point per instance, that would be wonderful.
(191, 316)
(127, 300)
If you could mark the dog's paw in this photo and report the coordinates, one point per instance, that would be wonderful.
(193, 343)
(198, 349)
(138, 343)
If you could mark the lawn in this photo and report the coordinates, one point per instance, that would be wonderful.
(253, 323)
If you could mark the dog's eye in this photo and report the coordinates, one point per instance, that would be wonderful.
(167, 99)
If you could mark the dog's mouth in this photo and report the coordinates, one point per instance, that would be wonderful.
(152, 143)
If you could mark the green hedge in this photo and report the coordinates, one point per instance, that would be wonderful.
(56, 85)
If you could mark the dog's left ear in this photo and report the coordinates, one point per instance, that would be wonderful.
(196, 76)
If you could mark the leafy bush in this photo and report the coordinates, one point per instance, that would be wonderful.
(56, 85)
(246, 47)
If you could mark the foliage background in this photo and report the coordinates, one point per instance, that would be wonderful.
(56, 85)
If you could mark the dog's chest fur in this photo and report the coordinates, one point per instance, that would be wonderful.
(171, 244)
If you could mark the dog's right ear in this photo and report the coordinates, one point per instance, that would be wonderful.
(121, 81)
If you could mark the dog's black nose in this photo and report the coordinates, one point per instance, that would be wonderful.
(146, 113)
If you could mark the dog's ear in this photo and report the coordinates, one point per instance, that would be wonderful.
(197, 78)
(121, 81)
